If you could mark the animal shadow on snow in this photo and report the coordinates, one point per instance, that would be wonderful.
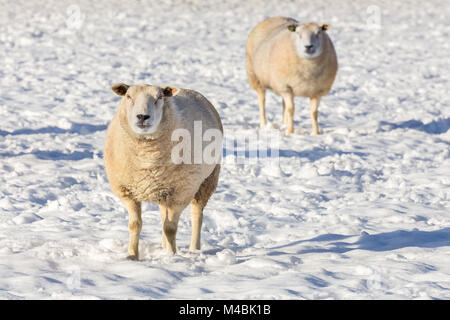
(435, 127)
(317, 153)
(312, 155)
(53, 155)
(78, 128)
(385, 241)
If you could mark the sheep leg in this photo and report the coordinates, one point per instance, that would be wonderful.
(199, 202)
(314, 106)
(288, 99)
(196, 221)
(262, 107)
(162, 211)
(170, 219)
(135, 227)
(285, 115)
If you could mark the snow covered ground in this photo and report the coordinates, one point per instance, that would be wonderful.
(359, 212)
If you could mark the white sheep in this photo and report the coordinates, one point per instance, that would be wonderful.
(292, 59)
(140, 163)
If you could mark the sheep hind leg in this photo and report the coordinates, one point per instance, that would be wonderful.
(170, 216)
(135, 227)
(314, 106)
(285, 115)
(262, 107)
(202, 196)
(256, 85)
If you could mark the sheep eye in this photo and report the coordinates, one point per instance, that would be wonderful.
(129, 97)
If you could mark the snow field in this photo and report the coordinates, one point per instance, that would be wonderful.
(359, 212)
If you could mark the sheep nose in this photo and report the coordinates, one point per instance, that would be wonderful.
(309, 47)
(143, 117)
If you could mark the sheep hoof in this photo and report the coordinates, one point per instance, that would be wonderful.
(289, 132)
(132, 258)
(171, 251)
(194, 249)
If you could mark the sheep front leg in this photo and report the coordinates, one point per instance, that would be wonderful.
(135, 226)
(170, 217)
(196, 220)
(314, 105)
(162, 211)
(262, 107)
(288, 99)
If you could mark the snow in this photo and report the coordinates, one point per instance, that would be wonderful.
(359, 212)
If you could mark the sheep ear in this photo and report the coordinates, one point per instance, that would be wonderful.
(292, 27)
(120, 88)
(325, 27)
(169, 91)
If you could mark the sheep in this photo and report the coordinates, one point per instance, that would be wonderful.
(292, 59)
(140, 163)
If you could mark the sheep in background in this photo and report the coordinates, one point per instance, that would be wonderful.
(139, 157)
(292, 59)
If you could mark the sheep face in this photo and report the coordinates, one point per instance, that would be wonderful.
(144, 105)
(309, 39)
